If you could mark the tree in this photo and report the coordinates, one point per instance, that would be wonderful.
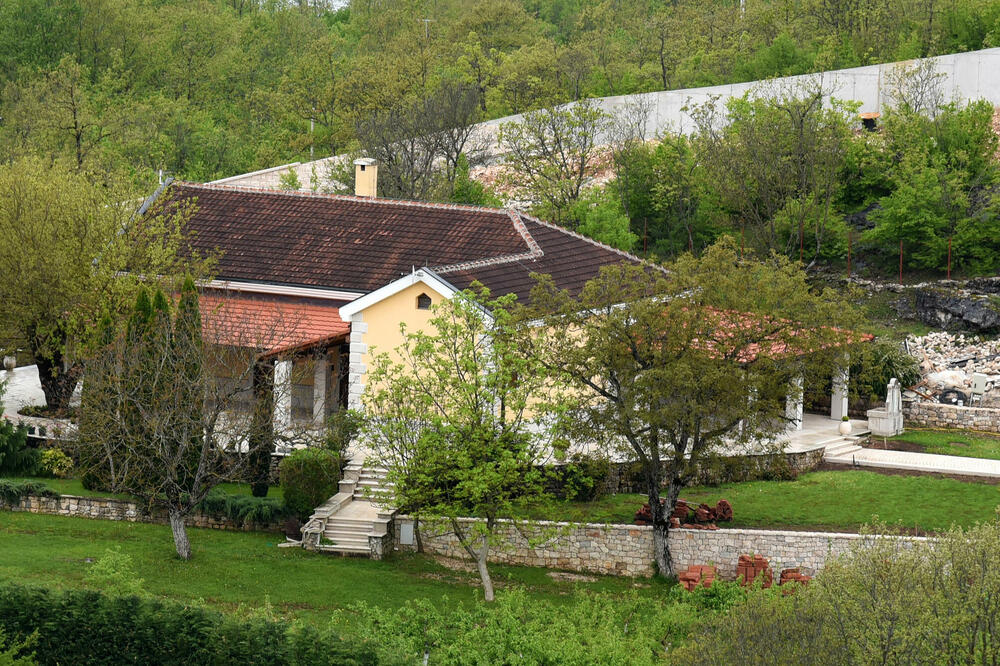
(448, 415)
(154, 421)
(550, 154)
(74, 248)
(675, 369)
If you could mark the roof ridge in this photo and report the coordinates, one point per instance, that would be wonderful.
(534, 250)
(341, 197)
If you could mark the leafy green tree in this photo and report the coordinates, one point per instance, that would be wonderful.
(447, 413)
(465, 190)
(598, 214)
(674, 369)
(75, 248)
(550, 154)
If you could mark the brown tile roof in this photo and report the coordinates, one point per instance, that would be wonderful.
(359, 244)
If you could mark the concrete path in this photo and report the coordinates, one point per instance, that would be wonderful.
(23, 389)
(850, 454)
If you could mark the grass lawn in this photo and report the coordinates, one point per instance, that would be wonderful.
(230, 569)
(952, 442)
(74, 487)
(824, 501)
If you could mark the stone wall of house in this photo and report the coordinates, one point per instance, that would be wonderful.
(939, 415)
(627, 550)
(104, 508)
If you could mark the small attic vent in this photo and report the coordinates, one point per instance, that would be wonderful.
(423, 302)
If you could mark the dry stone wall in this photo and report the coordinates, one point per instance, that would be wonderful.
(940, 415)
(103, 508)
(627, 550)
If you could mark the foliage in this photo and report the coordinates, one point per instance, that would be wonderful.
(13, 491)
(598, 214)
(341, 429)
(55, 462)
(309, 477)
(114, 574)
(674, 367)
(875, 364)
(465, 190)
(447, 414)
(595, 629)
(887, 602)
(86, 627)
(74, 249)
(16, 457)
(243, 509)
(582, 478)
(289, 180)
(15, 653)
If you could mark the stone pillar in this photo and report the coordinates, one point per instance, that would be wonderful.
(793, 404)
(356, 368)
(838, 399)
(282, 395)
(321, 371)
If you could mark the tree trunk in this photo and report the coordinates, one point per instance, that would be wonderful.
(661, 549)
(57, 384)
(484, 572)
(261, 437)
(181, 542)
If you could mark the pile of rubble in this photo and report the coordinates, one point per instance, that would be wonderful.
(702, 517)
(948, 362)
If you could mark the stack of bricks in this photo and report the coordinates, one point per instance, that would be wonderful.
(793, 575)
(749, 568)
(696, 575)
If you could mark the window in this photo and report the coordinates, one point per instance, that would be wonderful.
(423, 302)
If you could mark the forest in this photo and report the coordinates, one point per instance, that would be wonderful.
(126, 89)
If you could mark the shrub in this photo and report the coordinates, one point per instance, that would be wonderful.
(114, 574)
(243, 509)
(12, 491)
(15, 653)
(55, 462)
(582, 479)
(309, 477)
(16, 457)
(85, 627)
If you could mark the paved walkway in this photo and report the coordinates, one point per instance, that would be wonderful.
(850, 454)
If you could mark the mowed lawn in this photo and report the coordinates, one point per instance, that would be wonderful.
(952, 442)
(825, 501)
(75, 487)
(234, 569)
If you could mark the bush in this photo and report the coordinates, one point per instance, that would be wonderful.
(243, 509)
(582, 479)
(54, 462)
(85, 627)
(309, 477)
(15, 653)
(12, 491)
(114, 574)
(16, 457)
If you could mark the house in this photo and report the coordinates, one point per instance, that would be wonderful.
(325, 278)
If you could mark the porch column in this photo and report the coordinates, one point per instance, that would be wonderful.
(282, 395)
(793, 404)
(321, 371)
(838, 399)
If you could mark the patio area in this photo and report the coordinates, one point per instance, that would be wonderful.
(819, 430)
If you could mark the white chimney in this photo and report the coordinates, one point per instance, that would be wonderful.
(365, 177)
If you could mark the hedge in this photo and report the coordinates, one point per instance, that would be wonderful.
(86, 627)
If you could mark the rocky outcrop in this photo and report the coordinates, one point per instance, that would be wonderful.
(959, 309)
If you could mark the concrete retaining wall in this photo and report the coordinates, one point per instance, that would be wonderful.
(102, 508)
(627, 550)
(938, 415)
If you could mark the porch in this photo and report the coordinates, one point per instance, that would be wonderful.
(818, 430)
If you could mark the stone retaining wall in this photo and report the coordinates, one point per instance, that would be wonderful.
(627, 550)
(103, 508)
(939, 415)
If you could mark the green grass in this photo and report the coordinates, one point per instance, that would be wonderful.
(953, 442)
(74, 487)
(823, 501)
(230, 569)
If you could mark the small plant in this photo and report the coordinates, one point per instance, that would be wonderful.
(845, 418)
(16, 457)
(55, 462)
(114, 574)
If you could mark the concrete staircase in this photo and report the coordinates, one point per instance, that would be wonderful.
(354, 521)
(842, 450)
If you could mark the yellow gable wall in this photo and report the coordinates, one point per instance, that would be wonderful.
(383, 319)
